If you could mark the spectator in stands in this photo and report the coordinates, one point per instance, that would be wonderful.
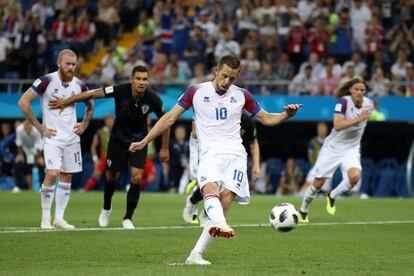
(336, 68)
(29, 154)
(199, 74)
(401, 37)
(313, 61)
(304, 83)
(5, 48)
(343, 37)
(27, 43)
(244, 19)
(357, 63)
(12, 21)
(83, 39)
(398, 68)
(42, 11)
(267, 74)
(379, 62)
(146, 28)
(195, 48)
(380, 84)
(99, 148)
(296, 42)
(209, 28)
(184, 71)
(227, 46)
(291, 179)
(374, 36)
(329, 83)
(319, 38)
(133, 60)
(107, 21)
(179, 154)
(349, 74)
(250, 65)
(268, 49)
(181, 28)
(360, 15)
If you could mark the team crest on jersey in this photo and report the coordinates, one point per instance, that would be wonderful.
(72, 93)
(50, 162)
(206, 99)
(109, 162)
(233, 100)
(145, 109)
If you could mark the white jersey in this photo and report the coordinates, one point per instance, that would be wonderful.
(49, 86)
(349, 138)
(217, 116)
(30, 142)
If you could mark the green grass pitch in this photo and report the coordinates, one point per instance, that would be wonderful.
(365, 237)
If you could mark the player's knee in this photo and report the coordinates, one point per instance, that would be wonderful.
(318, 183)
(354, 176)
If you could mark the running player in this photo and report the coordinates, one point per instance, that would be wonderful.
(342, 146)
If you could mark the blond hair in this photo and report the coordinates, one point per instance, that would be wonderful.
(65, 52)
(344, 88)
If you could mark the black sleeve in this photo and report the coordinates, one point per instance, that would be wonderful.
(249, 128)
(111, 91)
(156, 105)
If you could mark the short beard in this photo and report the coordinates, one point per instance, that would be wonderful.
(65, 76)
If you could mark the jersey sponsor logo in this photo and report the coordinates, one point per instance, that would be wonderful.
(145, 109)
(37, 82)
(109, 90)
(338, 107)
(206, 99)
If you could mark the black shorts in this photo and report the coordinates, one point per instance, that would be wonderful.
(118, 156)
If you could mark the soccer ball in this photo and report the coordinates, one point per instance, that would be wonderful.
(283, 217)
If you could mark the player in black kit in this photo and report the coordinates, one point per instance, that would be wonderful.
(133, 102)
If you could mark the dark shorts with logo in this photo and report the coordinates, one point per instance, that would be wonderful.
(118, 157)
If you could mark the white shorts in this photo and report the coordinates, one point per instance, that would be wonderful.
(194, 158)
(67, 159)
(329, 159)
(228, 171)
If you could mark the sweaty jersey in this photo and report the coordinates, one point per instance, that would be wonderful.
(131, 115)
(217, 116)
(350, 137)
(64, 122)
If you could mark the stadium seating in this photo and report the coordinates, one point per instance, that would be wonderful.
(400, 188)
(274, 169)
(385, 177)
(368, 167)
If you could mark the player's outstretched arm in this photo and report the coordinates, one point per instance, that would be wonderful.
(341, 123)
(59, 103)
(164, 123)
(24, 105)
(273, 119)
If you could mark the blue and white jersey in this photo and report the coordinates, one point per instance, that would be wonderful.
(350, 137)
(217, 116)
(49, 86)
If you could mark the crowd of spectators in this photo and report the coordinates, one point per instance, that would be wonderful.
(299, 47)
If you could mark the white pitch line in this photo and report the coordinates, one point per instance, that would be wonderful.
(17, 230)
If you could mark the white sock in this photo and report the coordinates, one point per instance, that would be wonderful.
(213, 208)
(46, 199)
(308, 196)
(62, 199)
(204, 240)
(343, 187)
